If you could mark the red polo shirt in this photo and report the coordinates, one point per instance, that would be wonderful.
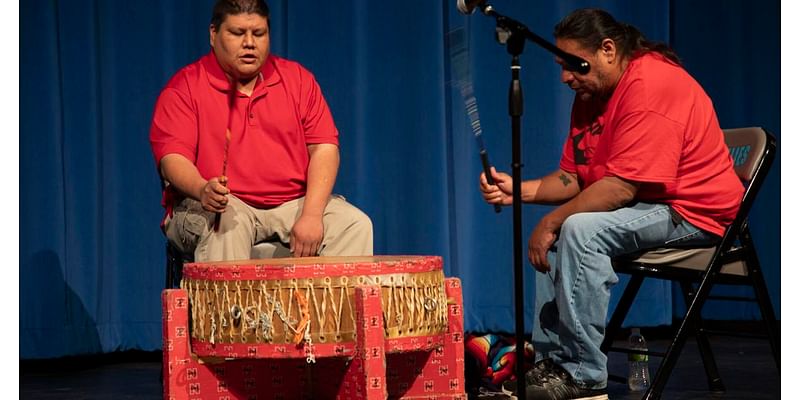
(659, 128)
(270, 129)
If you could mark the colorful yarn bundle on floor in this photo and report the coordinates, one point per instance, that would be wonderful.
(491, 360)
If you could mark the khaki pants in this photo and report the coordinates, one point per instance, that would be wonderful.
(347, 230)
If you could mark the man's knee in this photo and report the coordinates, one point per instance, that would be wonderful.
(576, 226)
(589, 231)
(362, 234)
(187, 226)
(350, 217)
(361, 222)
(349, 231)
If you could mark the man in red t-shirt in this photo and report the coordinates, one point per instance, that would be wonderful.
(249, 151)
(644, 165)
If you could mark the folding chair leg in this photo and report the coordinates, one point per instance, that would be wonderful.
(624, 305)
(704, 345)
(169, 269)
(769, 318)
(762, 296)
(174, 267)
(679, 340)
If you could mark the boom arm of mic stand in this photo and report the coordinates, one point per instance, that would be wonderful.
(573, 62)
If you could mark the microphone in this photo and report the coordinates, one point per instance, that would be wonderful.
(575, 63)
(467, 7)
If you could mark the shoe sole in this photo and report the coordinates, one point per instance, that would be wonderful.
(512, 396)
(497, 396)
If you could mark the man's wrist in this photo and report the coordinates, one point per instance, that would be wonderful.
(309, 214)
(313, 208)
(312, 212)
(553, 221)
(199, 189)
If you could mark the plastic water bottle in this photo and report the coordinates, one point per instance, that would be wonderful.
(638, 371)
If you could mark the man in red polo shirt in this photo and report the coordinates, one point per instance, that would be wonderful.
(280, 158)
(644, 165)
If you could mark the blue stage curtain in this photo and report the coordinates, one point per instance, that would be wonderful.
(91, 251)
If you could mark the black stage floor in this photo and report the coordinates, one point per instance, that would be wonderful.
(746, 366)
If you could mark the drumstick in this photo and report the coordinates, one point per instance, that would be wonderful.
(231, 100)
(459, 64)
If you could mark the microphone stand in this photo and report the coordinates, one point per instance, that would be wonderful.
(513, 34)
(515, 43)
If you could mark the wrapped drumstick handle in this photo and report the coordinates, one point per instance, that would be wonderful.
(231, 102)
(487, 170)
(223, 181)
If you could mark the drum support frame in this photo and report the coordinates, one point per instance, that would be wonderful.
(370, 373)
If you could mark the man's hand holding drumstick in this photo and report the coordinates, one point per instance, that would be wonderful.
(214, 195)
(183, 174)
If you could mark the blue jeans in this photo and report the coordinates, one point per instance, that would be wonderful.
(572, 298)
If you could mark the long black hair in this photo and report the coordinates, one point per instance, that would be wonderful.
(589, 26)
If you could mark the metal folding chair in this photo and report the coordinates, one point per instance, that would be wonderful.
(733, 261)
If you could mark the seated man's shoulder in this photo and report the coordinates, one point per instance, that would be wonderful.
(187, 76)
(293, 68)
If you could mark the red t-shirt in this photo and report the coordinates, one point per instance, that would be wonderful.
(659, 128)
(270, 129)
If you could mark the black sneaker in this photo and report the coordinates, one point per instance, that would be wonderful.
(549, 381)
(541, 367)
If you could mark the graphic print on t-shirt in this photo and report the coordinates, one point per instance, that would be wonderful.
(583, 153)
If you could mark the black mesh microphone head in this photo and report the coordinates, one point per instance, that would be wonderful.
(576, 63)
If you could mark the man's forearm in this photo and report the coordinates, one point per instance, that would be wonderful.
(183, 175)
(607, 194)
(323, 166)
(555, 188)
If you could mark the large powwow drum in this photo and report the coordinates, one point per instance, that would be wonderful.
(293, 302)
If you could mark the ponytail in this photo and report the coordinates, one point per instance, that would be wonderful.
(590, 26)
